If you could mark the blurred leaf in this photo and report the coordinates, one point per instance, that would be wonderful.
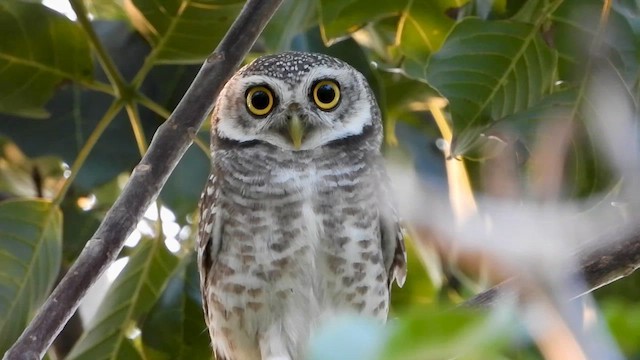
(129, 299)
(338, 18)
(23, 177)
(575, 36)
(589, 45)
(588, 172)
(107, 194)
(183, 188)
(292, 18)
(553, 106)
(529, 11)
(402, 91)
(630, 9)
(556, 106)
(455, 334)
(347, 338)
(485, 8)
(182, 32)
(420, 147)
(106, 10)
(175, 327)
(380, 38)
(488, 70)
(78, 226)
(623, 319)
(43, 49)
(16, 172)
(418, 288)
(30, 253)
(515, 6)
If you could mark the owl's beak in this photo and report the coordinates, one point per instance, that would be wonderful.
(296, 131)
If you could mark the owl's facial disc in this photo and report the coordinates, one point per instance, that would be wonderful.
(297, 102)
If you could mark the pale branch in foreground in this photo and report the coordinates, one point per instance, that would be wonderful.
(599, 266)
(169, 144)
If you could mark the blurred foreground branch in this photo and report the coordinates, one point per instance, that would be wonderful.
(169, 144)
(599, 266)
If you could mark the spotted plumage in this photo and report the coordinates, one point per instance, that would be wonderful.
(296, 221)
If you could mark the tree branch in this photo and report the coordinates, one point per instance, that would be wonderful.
(169, 144)
(599, 266)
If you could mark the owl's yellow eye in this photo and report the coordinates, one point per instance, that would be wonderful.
(259, 100)
(326, 94)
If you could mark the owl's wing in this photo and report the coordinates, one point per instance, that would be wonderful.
(394, 253)
(209, 236)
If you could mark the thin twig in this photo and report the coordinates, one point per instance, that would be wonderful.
(98, 86)
(136, 126)
(158, 109)
(169, 144)
(105, 60)
(599, 266)
(164, 114)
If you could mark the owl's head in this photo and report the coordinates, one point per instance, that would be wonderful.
(297, 101)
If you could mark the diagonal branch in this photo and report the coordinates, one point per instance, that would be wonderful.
(599, 266)
(169, 144)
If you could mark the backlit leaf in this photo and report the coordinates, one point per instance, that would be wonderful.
(175, 327)
(340, 17)
(182, 31)
(39, 49)
(422, 29)
(139, 285)
(30, 256)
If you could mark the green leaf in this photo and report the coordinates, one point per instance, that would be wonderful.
(576, 36)
(127, 302)
(419, 287)
(338, 18)
(556, 106)
(30, 256)
(488, 70)
(106, 10)
(292, 18)
(427, 334)
(40, 48)
(183, 31)
(401, 91)
(422, 29)
(75, 112)
(175, 327)
(623, 318)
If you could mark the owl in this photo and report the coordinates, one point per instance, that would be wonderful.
(297, 223)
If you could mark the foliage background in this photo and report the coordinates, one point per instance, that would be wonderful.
(80, 100)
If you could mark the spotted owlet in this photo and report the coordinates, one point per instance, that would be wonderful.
(296, 220)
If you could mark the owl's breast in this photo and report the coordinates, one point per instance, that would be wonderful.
(300, 241)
